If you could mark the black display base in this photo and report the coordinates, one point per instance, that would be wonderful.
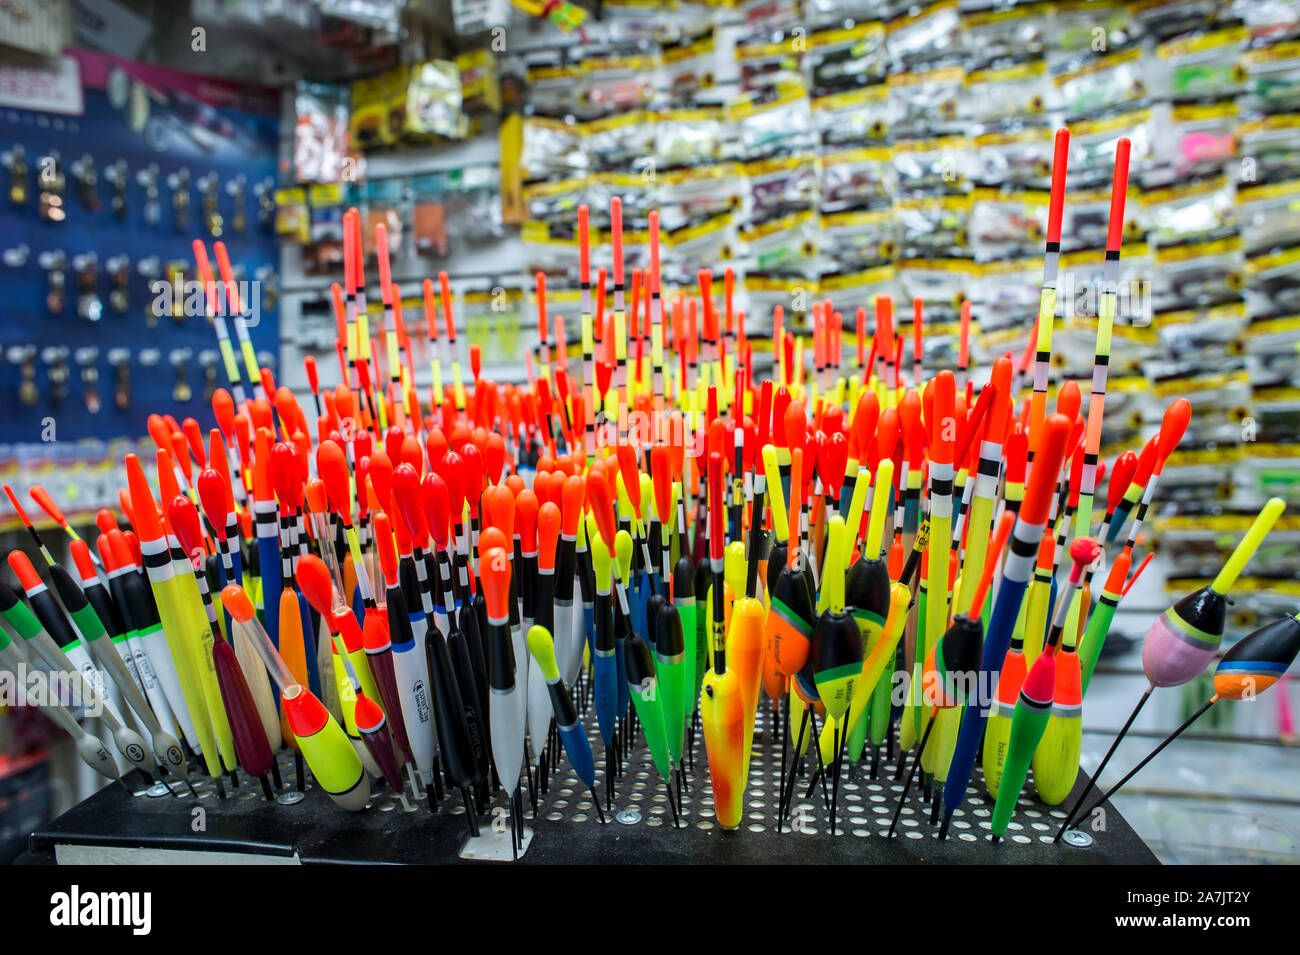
(566, 829)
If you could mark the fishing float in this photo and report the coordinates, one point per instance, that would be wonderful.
(1183, 640)
(1251, 666)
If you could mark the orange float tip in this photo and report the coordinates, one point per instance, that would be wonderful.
(106, 556)
(368, 714)
(716, 508)
(332, 466)
(194, 437)
(492, 537)
(1069, 400)
(158, 430)
(500, 505)
(46, 504)
(887, 434)
(411, 453)
(314, 582)
(494, 573)
(286, 475)
(313, 377)
(143, 512)
(631, 473)
(105, 520)
(662, 477)
(406, 498)
(1172, 428)
(120, 547)
(22, 567)
(1047, 465)
(1121, 476)
(81, 557)
(572, 497)
(168, 486)
(472, 472)
(184, 520)
(259, 411)
(548, 534)
(527, 511)
(601, 498)
(1147, 461)
(380, 475)
(1017, 453)
(316, 497)
(436, 445)
(494, 457)
(305, 714)
(13, 499)
(795, 425)
(436, 501)
(387, 548)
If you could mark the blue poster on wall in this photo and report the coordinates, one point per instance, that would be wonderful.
(101, 319)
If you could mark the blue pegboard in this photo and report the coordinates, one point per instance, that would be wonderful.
(146, 117)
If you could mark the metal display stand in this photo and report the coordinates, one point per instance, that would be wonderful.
(114, 825)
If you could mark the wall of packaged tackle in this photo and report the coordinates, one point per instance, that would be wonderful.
(840, 149)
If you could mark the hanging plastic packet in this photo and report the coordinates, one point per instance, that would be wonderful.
(687, 137)
(927, 100)
(619, 141)
(1203, 333)
(1273, 78)
(688, 66)
(769, 61)
(848, 58)
(1004, 32)
(1199, 273)
(1182, 211)
(552, 149)
(555, 201)
(934, 225)
(857, 179)
(1002, 293)
(775, 124)
(1084, 27)
(433, 102)
(769, 16)
(1007, 222)
(1019, 157)
(617, 83)
(474, 203)
(321, 136)
(1079, 287)
(371, 124)
(556, 88)
(429, 216)
(1205, 64)
(480, 88)
(785, 242)
(383, 204)
(1094, 83)
(855, 117)
(1002, 92)
(940, 281)
(924, 31)
(781, 185)
(860, 239)
(549, 246)
(932, 167)
(1203, 136)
